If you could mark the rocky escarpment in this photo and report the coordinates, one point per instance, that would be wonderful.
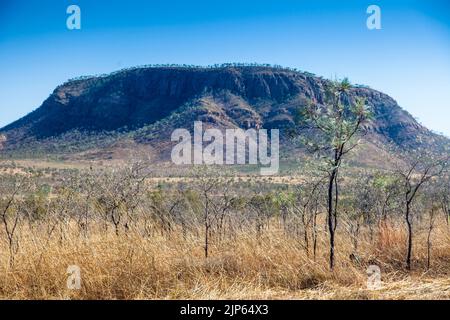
(143, 96)
(151, 101)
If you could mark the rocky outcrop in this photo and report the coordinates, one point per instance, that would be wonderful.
(226, 96)
(2, 140)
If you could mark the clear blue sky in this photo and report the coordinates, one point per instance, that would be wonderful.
(408, 59)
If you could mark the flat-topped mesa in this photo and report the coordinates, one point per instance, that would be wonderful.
(237, 96)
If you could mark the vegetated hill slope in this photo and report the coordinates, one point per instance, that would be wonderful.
(92, 117)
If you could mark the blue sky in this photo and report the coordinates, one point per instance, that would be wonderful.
(409, 58)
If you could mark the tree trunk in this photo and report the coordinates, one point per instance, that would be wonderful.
(331, 228)
(206, 228)
(315, 235)
(430, 230)
(408, 223)
(429, 248)
(305, 234)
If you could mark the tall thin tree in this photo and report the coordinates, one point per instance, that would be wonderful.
(330, 132)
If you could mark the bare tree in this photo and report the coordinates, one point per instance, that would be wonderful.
(226, 201)
(164, 206)
(444, 197)
(11, 211)
(413, 175)
(207, 182)
(431, 221)
(263, 206)
(306, 207)
(386, 192)
(120, 192)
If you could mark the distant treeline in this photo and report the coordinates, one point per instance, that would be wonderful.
(191, 66)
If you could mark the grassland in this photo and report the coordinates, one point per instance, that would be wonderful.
(154, 252)
(275, 266)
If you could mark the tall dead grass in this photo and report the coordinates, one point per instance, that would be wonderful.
(172, 266)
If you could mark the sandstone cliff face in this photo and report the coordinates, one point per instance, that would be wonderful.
(228, 97)
(2, 141)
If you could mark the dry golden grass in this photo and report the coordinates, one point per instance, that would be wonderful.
(131, 266)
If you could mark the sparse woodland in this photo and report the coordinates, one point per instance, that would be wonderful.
(215, 234)
(212, 235)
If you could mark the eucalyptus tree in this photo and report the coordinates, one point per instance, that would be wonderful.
(330, 131)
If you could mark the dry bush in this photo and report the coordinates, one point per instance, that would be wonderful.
(135, 240)
(129, 266)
